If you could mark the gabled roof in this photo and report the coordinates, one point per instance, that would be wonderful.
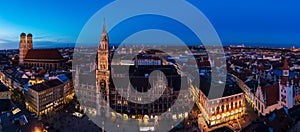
(42, 54)
(271, 94)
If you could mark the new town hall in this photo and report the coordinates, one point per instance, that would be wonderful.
(97, 98)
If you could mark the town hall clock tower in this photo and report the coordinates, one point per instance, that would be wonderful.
(103, 74)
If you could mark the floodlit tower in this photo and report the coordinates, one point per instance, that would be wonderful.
(286, 87)
(29, 41)
(22, 48)
(103, 73)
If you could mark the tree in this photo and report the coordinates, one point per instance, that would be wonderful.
(18, 96)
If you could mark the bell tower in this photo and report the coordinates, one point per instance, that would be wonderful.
(102, 72)
(29, 41)
(286, 87)
(22, 48)
(285, 68)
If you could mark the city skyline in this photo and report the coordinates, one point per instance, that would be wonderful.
(148, 87)
(255, 23)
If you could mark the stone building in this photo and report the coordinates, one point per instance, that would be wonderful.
(96, 98)
(230, 106)
(50, 59)
(48, 96)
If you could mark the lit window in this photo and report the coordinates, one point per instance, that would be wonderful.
(139, 99)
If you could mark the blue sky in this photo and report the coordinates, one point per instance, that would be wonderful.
(57, 23)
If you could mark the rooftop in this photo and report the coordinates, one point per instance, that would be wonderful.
(44, 54)
(5, 105)
(139, 77)
(3, 88)
(271, 94)
(46, 85)
(231, 86)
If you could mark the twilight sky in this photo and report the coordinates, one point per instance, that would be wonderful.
(57, 23)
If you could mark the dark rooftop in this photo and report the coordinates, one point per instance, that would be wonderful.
(222, 129)
(39, 87)
(231, 86)
(53, 83)
(46, 85)
(5, 105)
(42, 54)
(140, 81)
(3, 88)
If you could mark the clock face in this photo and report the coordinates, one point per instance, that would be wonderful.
(285, 72)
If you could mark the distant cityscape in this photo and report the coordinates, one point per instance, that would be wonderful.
(45, 90)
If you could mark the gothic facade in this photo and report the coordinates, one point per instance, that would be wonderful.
(49, 59)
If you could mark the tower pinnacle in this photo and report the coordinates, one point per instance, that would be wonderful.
(285, 65)
(104, 27)
(285, 68)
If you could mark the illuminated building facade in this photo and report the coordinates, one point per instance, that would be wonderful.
(230, 106)
(13, 78)
(48, 96)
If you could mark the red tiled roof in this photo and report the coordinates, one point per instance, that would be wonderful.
(272, 94)
(42, 54)
(285, 65)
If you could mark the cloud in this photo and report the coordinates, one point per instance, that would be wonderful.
(8, 44)
(4, 41)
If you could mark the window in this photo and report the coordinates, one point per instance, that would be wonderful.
(222, 108)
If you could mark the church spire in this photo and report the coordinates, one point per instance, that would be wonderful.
(104, 27)
(104, 37)
(285, 68)
(285, 65)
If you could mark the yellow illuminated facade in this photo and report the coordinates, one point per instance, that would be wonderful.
(220, 110)
(42, 99)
